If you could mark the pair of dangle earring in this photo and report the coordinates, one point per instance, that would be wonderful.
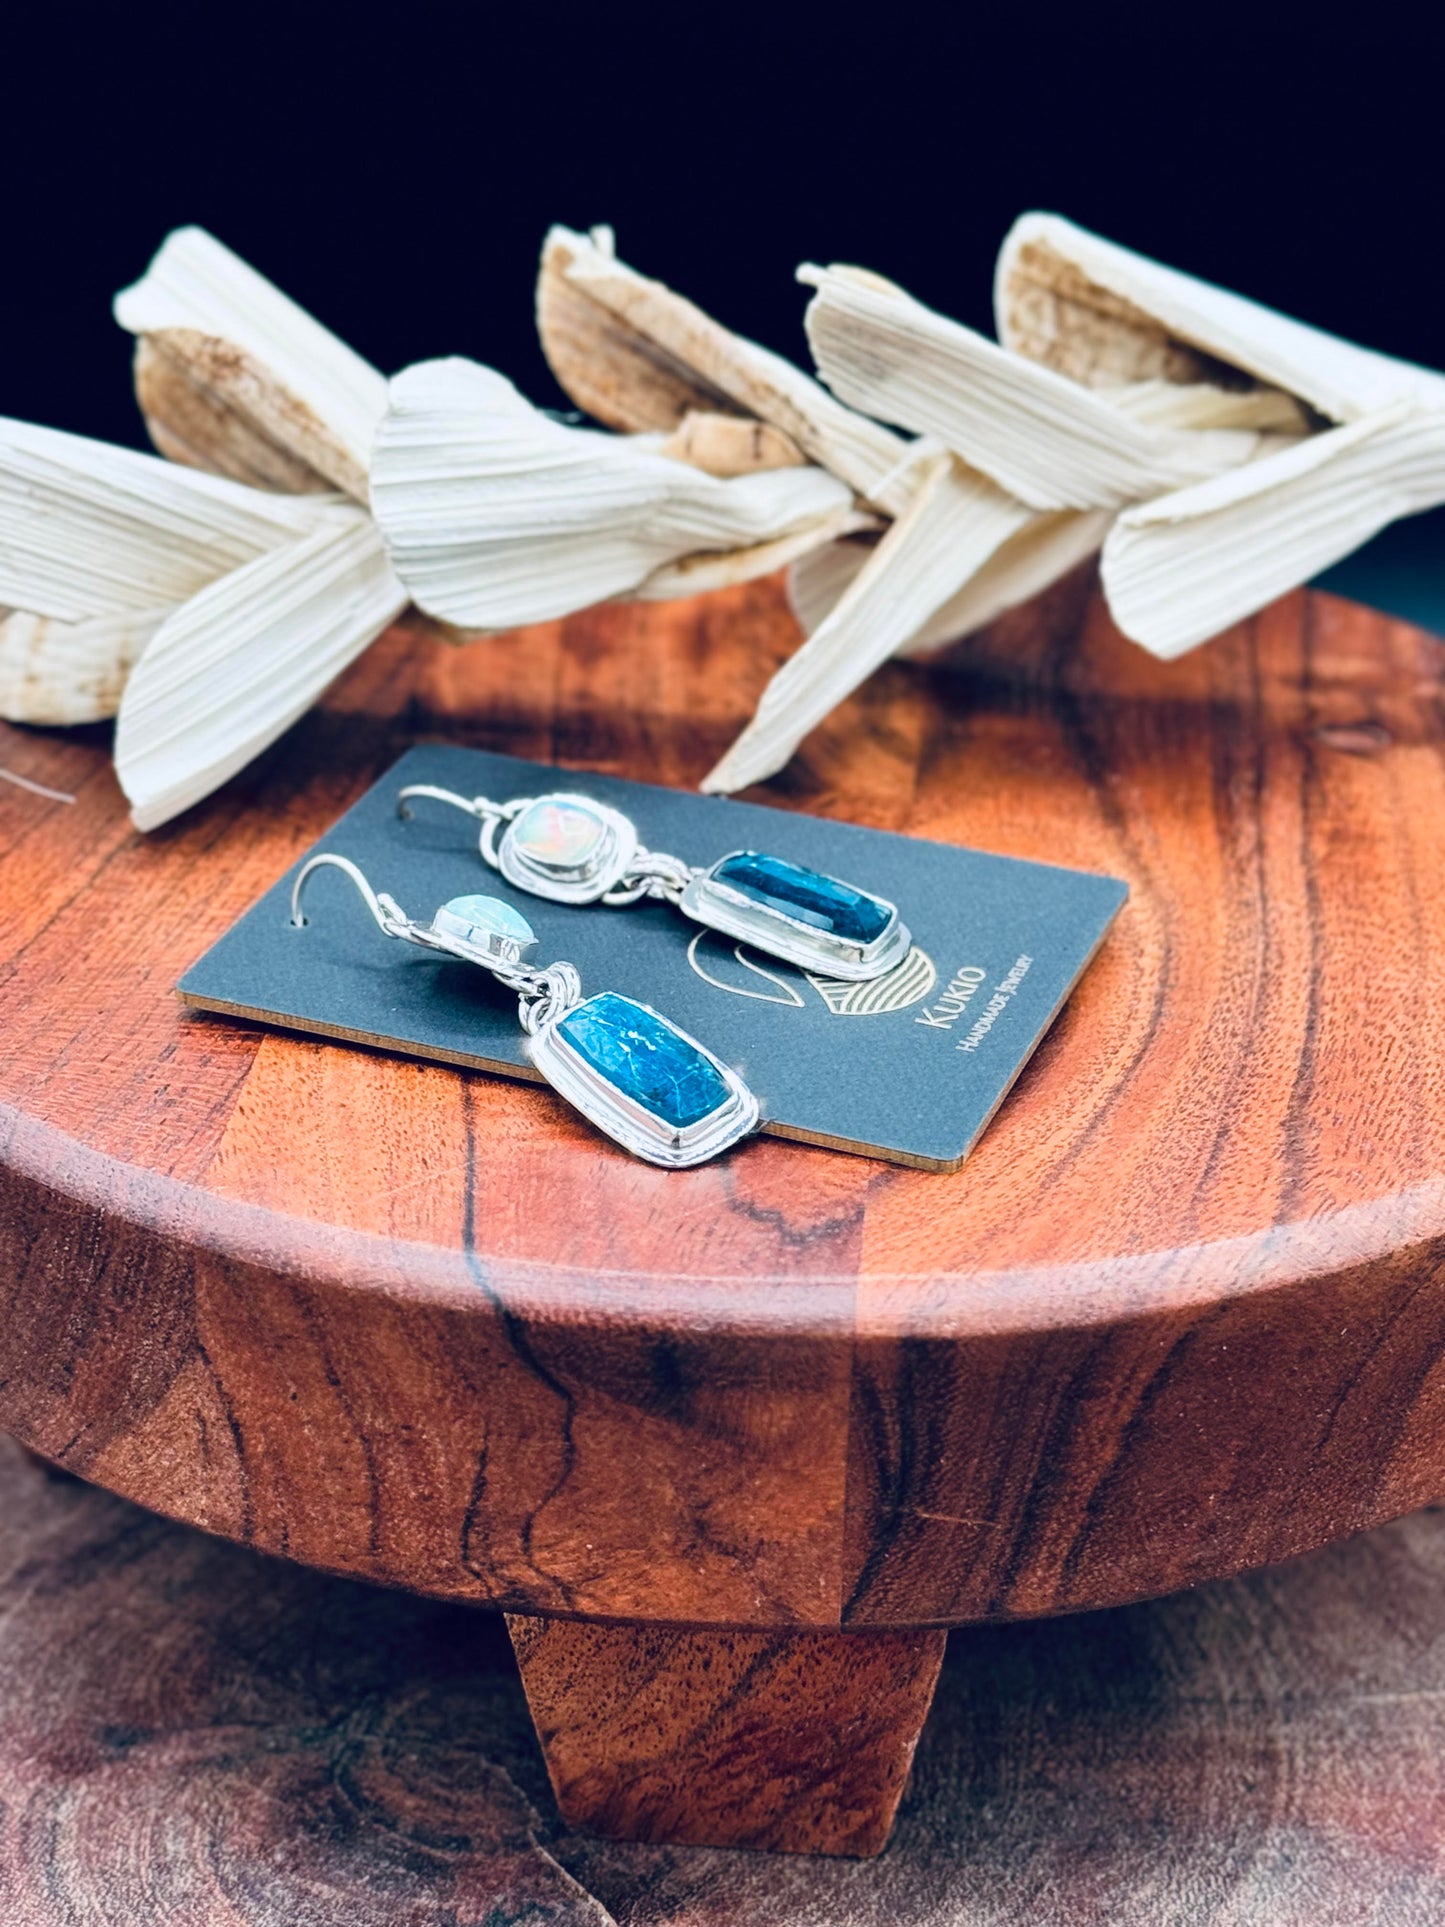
(573, 849)
(642, 1080)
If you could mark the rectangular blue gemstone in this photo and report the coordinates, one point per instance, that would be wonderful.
(807, 896)
(643, 1057)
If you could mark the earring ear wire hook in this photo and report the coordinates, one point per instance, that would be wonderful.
(481, 807)
(471, 805)
(385, 909)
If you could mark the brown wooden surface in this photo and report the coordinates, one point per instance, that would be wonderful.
(1180, 1313)
(192, 1736)
(792, 1742)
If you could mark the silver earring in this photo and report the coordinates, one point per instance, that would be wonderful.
(642, 1080)
(573, 849)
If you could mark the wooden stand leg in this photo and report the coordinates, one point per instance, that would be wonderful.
(799, 1742)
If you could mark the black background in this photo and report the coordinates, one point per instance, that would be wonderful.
(395, 171)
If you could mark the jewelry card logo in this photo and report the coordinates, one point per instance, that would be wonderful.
(743, 972)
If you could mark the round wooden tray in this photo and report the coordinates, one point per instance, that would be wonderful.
(1174, 1317)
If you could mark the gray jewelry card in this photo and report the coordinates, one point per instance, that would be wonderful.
(910, 1066)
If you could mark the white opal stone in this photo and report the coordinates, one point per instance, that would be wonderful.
(558, 835)
(488, 925)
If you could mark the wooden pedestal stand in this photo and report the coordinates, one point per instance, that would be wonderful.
(732, 1446)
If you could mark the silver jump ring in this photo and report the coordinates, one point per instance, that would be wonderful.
(560, 990)
(652, 874)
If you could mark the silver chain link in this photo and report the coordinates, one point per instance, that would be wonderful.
(542, 995)
(652, 874)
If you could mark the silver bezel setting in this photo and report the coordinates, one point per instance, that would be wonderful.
(580, 883)
(496, 947)
(505, 952)
(715, 904)
(628, 1123)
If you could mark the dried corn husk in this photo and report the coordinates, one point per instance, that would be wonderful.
(816, 580)
(1103, 315)
(605, 364)
(731, 444)
(87, 529)
(243, 659)
(990, 548)
(1184, 564)
(1048, 440)
(496, 515)
(943, 538)
(639, 356)
(738, 445)
(189, 424)
(211, 613)
(1045, 548)
(1224, 452)
(1200, 404)
(97, 546)
(700, 574)
(61, 673)
(235, 377)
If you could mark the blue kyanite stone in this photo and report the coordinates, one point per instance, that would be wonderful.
(805, 895)
(643, 1057)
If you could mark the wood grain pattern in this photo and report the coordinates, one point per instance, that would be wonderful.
(792, 1742)
(192, 1736)
(1179, 1314)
